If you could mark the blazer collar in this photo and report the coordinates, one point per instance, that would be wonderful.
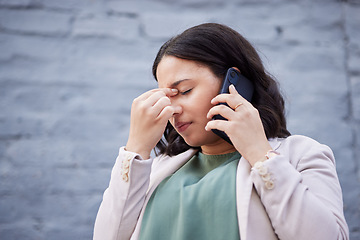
(168, 165)
(165, 166)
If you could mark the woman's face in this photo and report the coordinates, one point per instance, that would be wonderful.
(197, 85)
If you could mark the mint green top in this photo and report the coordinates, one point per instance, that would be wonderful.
(197, 202)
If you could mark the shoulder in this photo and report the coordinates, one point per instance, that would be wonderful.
(298, 147)
(297, 142)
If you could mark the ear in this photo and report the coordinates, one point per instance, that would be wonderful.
(236, 69)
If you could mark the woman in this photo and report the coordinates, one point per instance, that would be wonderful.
(265, 184)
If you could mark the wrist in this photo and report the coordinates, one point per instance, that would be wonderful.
(262, 153)
(268, 155)
(258, 152)
(141, 152)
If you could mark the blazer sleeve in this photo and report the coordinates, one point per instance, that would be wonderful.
(123, 199)
(301, 192)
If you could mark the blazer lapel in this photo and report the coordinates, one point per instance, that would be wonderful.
(161, 169)
(243, 192)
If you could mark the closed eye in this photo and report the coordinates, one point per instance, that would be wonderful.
(186, 92)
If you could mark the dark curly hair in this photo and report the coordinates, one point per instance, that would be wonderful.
(219, 47)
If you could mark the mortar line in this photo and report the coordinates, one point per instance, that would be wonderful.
(350, 117)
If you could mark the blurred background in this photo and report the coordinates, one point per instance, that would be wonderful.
(70, 69)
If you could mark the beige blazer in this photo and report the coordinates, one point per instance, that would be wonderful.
(295, 195)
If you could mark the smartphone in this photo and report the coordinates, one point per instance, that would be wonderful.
(244, 87)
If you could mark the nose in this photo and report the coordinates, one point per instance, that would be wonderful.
(178, 109)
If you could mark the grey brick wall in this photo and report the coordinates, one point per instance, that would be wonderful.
(69, 70)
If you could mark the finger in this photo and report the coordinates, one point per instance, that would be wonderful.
(152, 99)
(158, 94)
(146, 95)
(232, 89)
(167, 112)
(217, 124)
(160, 105)
(232, 99)
(221, 98)
(167, 91)
(238, 99)
(170, 92)
(221, 109)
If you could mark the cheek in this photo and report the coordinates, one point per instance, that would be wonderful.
(204, 101)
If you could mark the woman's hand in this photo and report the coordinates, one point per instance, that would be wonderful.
(150, 113)
(244, 126)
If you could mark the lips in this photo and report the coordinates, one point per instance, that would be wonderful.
(182, 126)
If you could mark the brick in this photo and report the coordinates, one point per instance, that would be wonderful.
(353, 32)
(9, 210)
(327, 15)
(71, 5)
(81, 156)
(80, 128)
(16, 3)
(267, 21)
(310, 34)
(316, 59)
(20, 231)
(355, 97)
(72, 181)
(352, 19)
(134, 8)
(107, 26)
(35, 22)
(29, 152)
(22, 127)
(32, 186)
(22, 67)
(167, 25)
(351, 196)
(319, 24)
(353, 58)
(265, 33)
(5, 48)
(12, 47)
(286, 14)
(59, 212)
(203, 4)
(34, 98)
(356, 147)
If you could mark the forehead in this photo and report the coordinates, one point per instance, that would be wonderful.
(173, 71)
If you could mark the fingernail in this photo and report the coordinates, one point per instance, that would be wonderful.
(174, 90)
(232, 86)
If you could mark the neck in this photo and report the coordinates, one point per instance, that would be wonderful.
(218, 148)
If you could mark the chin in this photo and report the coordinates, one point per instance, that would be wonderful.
(198, 142)
(191, 142)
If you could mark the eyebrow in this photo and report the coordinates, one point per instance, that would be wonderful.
(175, 84)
